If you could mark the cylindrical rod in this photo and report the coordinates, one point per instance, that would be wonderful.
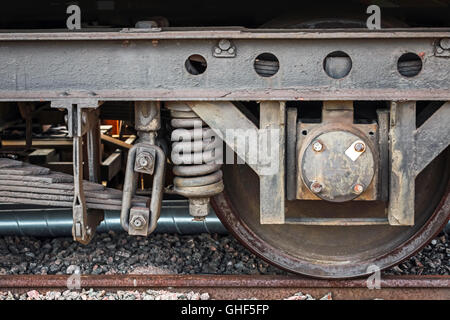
(57, 222)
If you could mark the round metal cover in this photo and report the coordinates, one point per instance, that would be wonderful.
(333, 169)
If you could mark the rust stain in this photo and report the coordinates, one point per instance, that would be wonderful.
(244, 286)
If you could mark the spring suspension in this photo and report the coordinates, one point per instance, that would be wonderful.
(197, 156)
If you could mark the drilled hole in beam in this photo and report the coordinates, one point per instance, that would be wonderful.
(196, 64)
(337, 64)
(266, 65)
(409, 65)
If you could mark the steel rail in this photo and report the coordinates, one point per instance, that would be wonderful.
(244, 286)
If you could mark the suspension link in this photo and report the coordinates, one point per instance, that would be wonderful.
(82, 120)
(145, 157)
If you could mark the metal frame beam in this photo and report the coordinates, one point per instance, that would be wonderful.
(268, 160)
(432, 137)
(411, 150)
(133, 65)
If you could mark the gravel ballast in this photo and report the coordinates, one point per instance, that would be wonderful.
(169, 254)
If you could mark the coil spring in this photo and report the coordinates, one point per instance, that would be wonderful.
(196, 154)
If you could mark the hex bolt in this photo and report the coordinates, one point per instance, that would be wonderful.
(445, 43)
(358, 188)
(218, 50)
(224, 44)
(360, 147)
(316, 187)
(317, 146)
(145, 160)
(231, 51)
(138, 222)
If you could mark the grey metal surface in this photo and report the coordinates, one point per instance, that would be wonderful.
(332, 169)
(291, 153)
(432, 137)
(272, 118)
(335, 165)
(403, 155)
(21, 220)
(140, 67)
(251, 144)
(383, 145)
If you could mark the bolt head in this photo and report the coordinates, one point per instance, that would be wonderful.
(360, 147)
(317, 146)
(316, 187)
(218, 50)
(231, 50)
(224, 44)
(144, 160)
(445, 43)
(138, 222)
(358, 188)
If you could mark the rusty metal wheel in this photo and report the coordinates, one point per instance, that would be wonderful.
(333, 251)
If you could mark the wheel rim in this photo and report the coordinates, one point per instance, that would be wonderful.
(333, 252)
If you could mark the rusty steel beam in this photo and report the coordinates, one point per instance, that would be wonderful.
(244, 286)
(133, 65)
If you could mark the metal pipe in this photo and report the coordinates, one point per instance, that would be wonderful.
(35, 221)
(57, 222)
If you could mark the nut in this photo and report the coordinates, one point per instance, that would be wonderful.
(358, 188)
(360, 147)
(316, 187)
(145, 160)
(138, 222)
(317, 146)
(199, 207)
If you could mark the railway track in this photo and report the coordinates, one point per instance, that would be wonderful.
(243, 286)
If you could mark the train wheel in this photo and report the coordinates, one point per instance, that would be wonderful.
(334, 251)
